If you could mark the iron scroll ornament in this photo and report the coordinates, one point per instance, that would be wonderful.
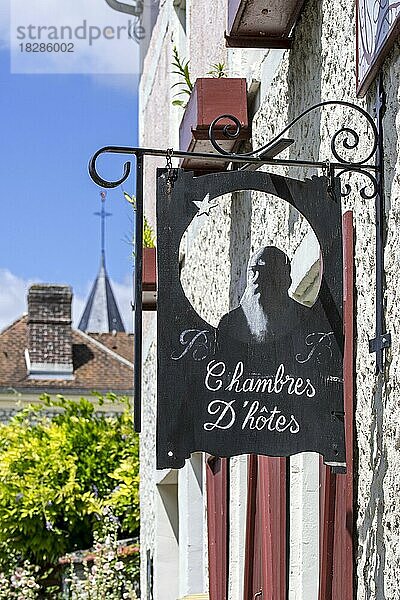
(234, 133)
(350, 140)
(259, 156)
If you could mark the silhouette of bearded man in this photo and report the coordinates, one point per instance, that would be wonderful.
(266, 311)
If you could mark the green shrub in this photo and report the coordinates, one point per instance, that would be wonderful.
(57, 473)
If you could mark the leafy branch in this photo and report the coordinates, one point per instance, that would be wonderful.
(185, 83)
(149, 240)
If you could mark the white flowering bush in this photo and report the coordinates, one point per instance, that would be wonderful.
(96, 574)
(19, 583)
(104, 574)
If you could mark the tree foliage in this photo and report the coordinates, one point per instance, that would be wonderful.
(58, 472)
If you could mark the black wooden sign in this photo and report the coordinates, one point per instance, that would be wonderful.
(269, 379)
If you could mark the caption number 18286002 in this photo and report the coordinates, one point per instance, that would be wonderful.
(36, 47)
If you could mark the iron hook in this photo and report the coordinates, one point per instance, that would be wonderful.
(112, 150)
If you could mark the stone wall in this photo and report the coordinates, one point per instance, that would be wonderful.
(319, 67)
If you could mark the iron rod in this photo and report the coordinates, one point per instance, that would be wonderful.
(379, 231)
(137, 386)
(210, 156)
(382, 338)
(227, 158)
(379, 221)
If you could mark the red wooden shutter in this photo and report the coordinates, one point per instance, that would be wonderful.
(336, 563)
(327, 530)
(265, 555)
(217, 525)
(253, 580)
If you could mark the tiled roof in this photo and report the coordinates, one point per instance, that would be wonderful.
(103, 363)
(118, 342)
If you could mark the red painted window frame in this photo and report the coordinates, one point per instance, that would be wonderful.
(217, 525)
(265, 552)
(337, 491)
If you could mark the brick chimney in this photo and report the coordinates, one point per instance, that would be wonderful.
(49, 353)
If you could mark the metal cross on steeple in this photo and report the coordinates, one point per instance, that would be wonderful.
(103, 215)
(101, 313)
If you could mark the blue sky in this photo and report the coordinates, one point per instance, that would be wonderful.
(50, 126)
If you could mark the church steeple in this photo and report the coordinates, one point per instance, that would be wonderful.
(101, 314)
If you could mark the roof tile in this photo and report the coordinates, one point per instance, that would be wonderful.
(94, 368)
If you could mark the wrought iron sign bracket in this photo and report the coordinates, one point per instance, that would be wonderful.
(382, 338)
(380, 343)
(344, 140)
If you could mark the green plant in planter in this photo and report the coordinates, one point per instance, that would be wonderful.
(185, 84)
(149, 239)
(218, 70)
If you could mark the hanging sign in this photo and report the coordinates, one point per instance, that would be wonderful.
(269, 379)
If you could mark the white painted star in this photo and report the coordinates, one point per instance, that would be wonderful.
(205, 205)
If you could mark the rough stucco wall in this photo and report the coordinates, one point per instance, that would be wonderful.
(391, 422)
(322, 69)
(320, 66)
(206, 44)
(378, 423)
(156, 124)
(205, 276)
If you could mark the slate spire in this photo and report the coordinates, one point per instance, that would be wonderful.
(101, 314)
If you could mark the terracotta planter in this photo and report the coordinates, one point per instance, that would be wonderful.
(253, 24)
(149, 286)
(212, 97)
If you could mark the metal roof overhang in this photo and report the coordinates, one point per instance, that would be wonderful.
(261, 23)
